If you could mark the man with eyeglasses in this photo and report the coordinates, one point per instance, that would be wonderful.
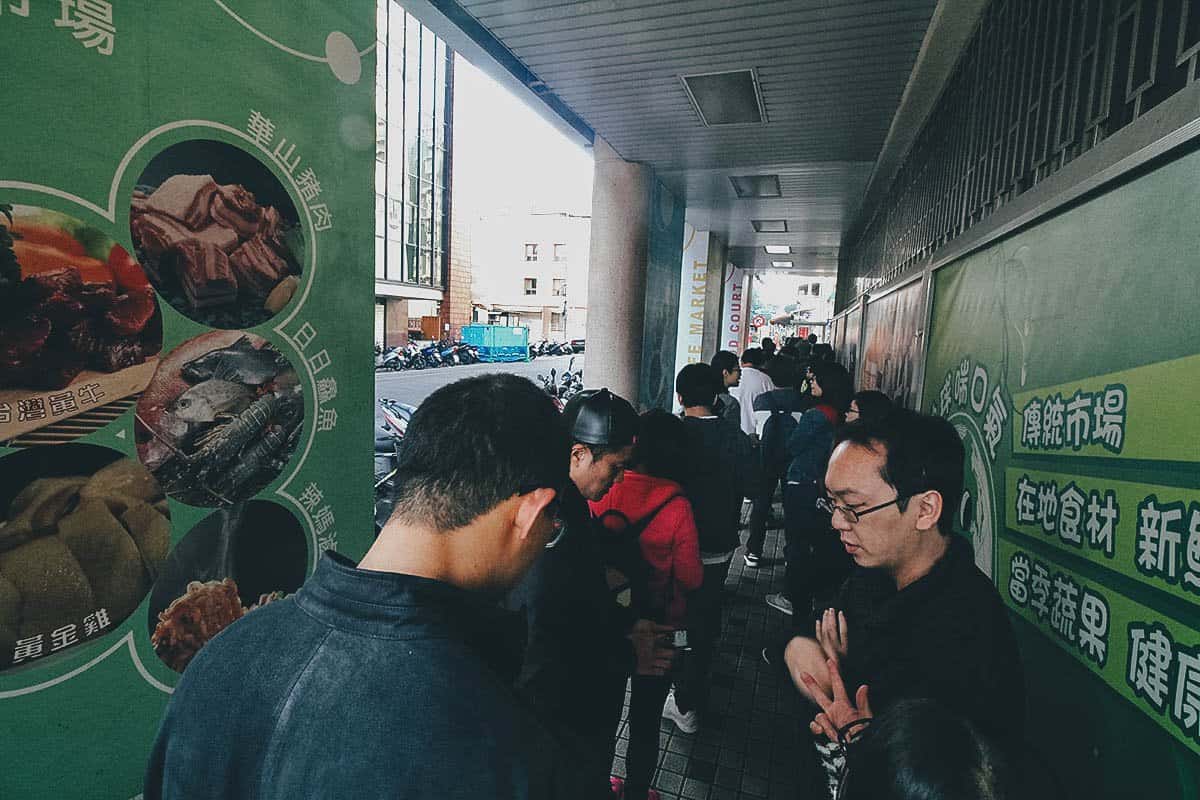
(916, 618)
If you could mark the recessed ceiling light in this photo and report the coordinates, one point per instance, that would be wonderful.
(756, 185)
(726, 98)
(777, 249)
(782, 264)
(769, 225)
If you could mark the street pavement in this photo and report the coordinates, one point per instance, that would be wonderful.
(413, 386)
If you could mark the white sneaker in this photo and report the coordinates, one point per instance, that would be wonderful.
(688, 723)
(780, 603)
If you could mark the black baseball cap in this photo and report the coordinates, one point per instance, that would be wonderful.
(599, 417)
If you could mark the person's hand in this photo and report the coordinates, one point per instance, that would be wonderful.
(654, 654)
(832, 635)
(836, 712)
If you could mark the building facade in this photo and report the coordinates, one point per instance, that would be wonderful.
(414, 91)
(531, 269)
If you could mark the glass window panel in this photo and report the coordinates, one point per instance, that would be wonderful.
(395, 261)
(380, 212)
(381, 19)
(379, 257)
(395, 219)
(410, 223)
(426, 267)
(410, 262)
(439, 267)
(428, 70)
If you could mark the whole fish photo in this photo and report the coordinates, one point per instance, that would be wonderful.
(220, 418)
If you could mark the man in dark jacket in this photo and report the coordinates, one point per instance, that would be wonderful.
(721, 470)
(917, 618)
(389, 678)
(582, 646)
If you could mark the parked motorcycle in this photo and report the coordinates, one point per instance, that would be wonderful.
(396, 416)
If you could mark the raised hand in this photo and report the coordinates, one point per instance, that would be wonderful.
(837, 712)
(832, 635)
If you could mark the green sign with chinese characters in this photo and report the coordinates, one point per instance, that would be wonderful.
(1083, 471)
(185, 376)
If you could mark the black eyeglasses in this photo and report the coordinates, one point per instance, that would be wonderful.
(852, 516)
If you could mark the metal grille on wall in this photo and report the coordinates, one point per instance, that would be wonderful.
(1040, 83)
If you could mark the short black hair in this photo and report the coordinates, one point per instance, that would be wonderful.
(725, 361)
(812, 338)
(782, 369)
(872, 403)
(836, 384)
(698, 385)
(919, 749)
(473, 444)
(922, 453)
(754, 356)
(662, 444)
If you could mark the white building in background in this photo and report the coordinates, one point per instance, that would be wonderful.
(531, 269)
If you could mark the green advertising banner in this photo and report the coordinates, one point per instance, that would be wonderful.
(186, 219)
(1146, 658)
(1075, 400)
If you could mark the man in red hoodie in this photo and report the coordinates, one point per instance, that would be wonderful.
(650, 504)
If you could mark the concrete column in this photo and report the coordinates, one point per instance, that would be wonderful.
(547, 328)
(395, 321)
(621, 193)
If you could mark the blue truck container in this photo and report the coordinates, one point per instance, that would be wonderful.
(498, 342)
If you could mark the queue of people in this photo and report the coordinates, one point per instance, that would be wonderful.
(538, 563)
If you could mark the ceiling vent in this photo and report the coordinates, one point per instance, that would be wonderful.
(726, 98)
(782, 264)
(777, 249)
(769, 225)
(754, 186)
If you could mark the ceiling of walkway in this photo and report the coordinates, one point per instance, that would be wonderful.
(831, 74)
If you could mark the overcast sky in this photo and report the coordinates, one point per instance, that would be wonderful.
(508, 157)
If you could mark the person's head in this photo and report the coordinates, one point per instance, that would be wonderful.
(483, 455)
(661, 448)
(909, 468)
(822, 352)
(803, 350)
(601, 427)
(919, 750)
(812, 338)
(768, 347)
(869, 404)
(782, 370)
(830, 383)
(729, 367)
(753, 357)
(697, 386)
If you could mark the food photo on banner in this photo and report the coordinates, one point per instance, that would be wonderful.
(218, 234)
(80, 326)
(220, 418)
(1082, 495)
(185, 292)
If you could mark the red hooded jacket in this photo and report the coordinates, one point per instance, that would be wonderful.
(669, 543)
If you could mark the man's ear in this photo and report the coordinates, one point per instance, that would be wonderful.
(578, 450)
(679, 399)
(529, 509)
(929, 509)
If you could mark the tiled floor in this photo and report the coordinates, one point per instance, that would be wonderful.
(751, 744)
